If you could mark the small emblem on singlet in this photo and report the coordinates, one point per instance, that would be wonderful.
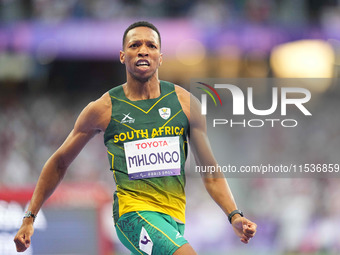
(165, 112)
(127, 119)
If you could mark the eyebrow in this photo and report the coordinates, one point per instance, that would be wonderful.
(139, 40)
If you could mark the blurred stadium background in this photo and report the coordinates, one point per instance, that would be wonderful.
(57, 55)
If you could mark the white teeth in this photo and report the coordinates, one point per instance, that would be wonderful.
(142, 63)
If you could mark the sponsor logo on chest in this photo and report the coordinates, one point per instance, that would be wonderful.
(127, 119)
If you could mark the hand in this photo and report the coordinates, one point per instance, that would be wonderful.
(244, 228)
(23, 238)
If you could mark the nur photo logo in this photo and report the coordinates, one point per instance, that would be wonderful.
(243, 104)
(204, 97)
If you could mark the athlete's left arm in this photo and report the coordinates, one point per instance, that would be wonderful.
(215, 183)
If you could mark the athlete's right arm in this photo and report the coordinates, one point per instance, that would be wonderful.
(215, 182)
(92, 120)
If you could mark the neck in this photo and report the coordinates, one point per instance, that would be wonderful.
(142, 90)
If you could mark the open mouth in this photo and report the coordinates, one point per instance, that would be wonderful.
(142, 63)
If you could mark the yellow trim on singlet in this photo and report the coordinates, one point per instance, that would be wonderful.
(127, 127)
(172, 117)
(169, 121)
(184, 147)
(157, 229)
(113, 156)
(116, 145)
(128, 240)
(146, 112)
(124, 124)
(112, 166)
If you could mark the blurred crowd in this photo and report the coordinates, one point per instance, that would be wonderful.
(33, 127)
(205, 11)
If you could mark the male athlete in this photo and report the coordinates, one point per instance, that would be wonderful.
(146, 125)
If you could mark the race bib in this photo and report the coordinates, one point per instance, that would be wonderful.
(155, 157)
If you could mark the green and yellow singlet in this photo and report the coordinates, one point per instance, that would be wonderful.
(146, 142)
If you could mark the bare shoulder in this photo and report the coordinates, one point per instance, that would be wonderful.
(184, 99)
(101, 105)
(182, 92)
(96, 115)
(189, 102)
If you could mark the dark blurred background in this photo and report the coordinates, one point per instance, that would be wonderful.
(58, 55)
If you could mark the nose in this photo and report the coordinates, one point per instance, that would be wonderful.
(143, 51)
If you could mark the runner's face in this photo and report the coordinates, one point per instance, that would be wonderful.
(141, 54)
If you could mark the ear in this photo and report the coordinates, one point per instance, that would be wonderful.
(122, 57)
(160, 59)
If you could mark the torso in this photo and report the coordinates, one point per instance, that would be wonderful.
(157, 118)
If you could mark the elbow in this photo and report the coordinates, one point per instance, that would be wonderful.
(209, 182)
(212, 177)
(60, 165)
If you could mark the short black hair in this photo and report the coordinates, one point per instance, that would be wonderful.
(142, 24)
